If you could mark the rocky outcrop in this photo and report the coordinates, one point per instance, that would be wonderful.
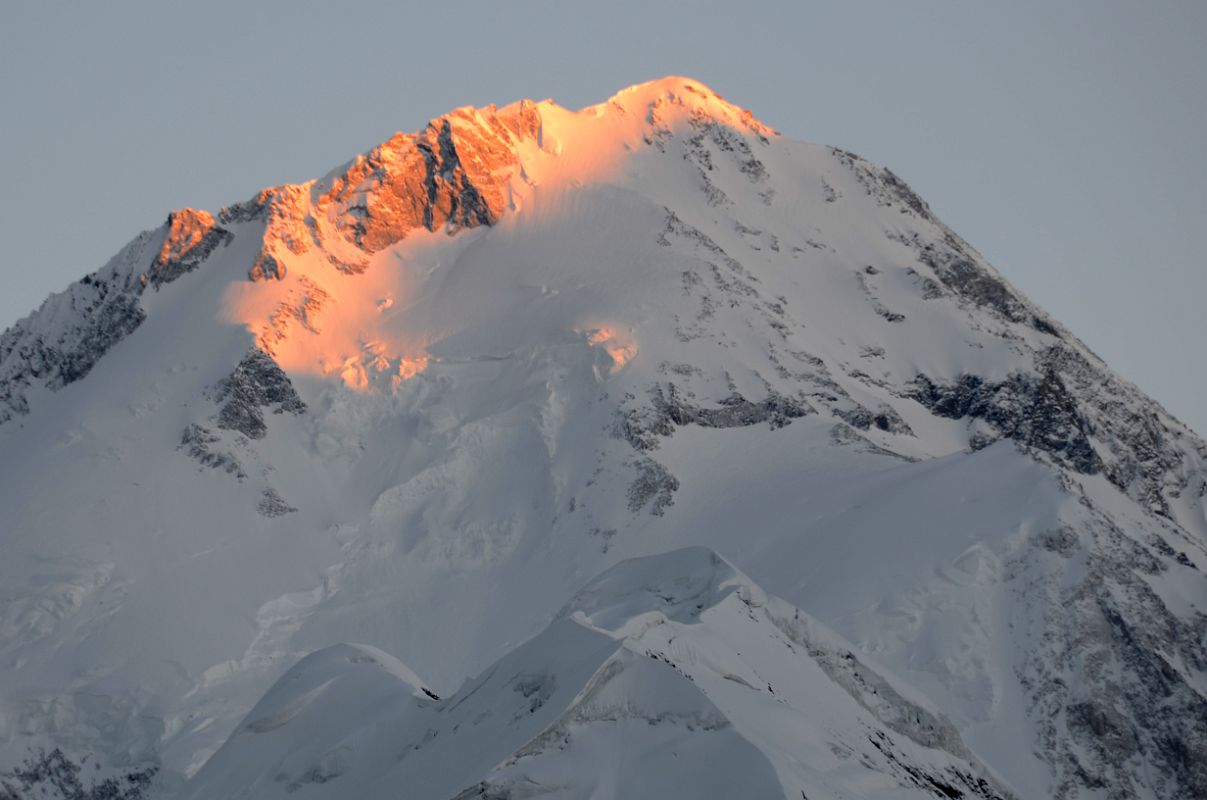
(54, 775)
(1038, 412)
(642, 426)
(884, 418)
(203, 446)
(1072, 408)
(272, 504)
(191, 237)
(1115, 676)
(733, 411)
(882, 185)
(1147, 454)
(256, 384)
(108, 316)
(61, 342)
(452, 173)
(654, 485)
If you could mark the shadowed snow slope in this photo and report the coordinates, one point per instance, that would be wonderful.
(419, 402)
(668, 676)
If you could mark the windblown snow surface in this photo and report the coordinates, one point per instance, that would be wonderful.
(648, 348)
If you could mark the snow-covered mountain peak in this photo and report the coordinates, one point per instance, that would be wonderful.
(674, 98)
(421, 401)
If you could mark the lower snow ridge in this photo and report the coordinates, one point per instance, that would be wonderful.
(667, 676)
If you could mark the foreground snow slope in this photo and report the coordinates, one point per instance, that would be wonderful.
(668, 676)
(421, 401)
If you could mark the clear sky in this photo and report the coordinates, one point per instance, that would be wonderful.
(1065, 140)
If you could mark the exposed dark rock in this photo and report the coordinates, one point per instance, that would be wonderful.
(734, 411)
(488, 791)
(942, 784)
(1154, 694)
(1044, 325)
(255, 384)
(884, 417)
(654, 483)
(1036, 411)
(252, 210)
(959, 272)
(101, 312)
(1062, 541)
(962, 272)
(273, 505)
(900, 189)
(54, 776)
(641, 427)
(1114, 675)
(1146, 461)
(1162, 547)
(199, 442)
(890, 316)
(883, 185)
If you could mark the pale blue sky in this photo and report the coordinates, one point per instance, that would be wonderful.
(1065, 140)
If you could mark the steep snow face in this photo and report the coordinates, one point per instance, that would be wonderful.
(419, 402)
(668, 676)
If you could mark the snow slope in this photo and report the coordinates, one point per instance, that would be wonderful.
(667, 676)
(420, 402)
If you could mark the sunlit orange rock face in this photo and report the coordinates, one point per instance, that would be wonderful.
(338, 258)
(191, 236)
(289, 224)
(186, 228)
(452, 173)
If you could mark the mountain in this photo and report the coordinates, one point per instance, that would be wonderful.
(419, 403)
(669, 660)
